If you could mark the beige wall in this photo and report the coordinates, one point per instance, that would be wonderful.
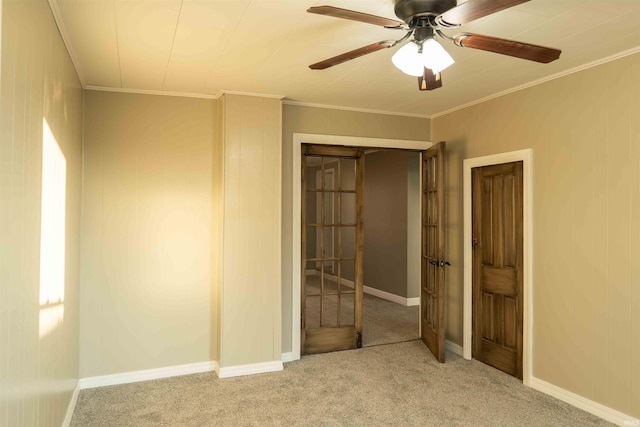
(251, 288)
(147, 232)
(385, 225)
(298, 119)
(217, 226)
(38, 318)
(585, 135)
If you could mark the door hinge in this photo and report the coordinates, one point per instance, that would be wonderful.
(474, 241)
(358, 340)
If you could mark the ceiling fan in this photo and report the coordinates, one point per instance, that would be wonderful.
(423, 56)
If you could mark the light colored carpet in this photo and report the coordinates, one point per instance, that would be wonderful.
(384, 322)
(397, 384)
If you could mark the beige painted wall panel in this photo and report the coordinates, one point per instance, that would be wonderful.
(217, 211)
(600, 269)
(584, 251)
(38, 318)
(557, 256)
(585, 213)
(251, 256)
(635, 234)
(298, 119)
(146, 275)
(618, 259)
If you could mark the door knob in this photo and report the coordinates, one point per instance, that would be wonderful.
(439, 263)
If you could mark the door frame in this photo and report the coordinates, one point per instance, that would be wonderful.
(526, 156)
(319, 139)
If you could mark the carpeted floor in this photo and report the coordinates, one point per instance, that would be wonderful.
(397, 384)
(381, 384)
(386, 322)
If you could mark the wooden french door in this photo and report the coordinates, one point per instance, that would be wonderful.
(433, 254)
(332, 246)
(497, 266)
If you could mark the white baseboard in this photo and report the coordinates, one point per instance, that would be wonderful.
(72, 405)
(391, 297)
(407, 302)
(250, 369)
(453, 347)
(147, 374)
(583, 403)
(413, 301)
(174, 371)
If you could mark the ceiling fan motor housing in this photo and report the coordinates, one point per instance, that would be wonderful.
(407, 10)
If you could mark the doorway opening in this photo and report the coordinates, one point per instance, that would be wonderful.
(340, 187)
(299, 139)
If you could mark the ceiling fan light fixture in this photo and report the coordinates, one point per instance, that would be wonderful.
(411, 58)
(435, 57)
(408, 59)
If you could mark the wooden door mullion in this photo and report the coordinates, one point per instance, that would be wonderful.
(322, 232)
(359, 267)
(303, 251)
(339, 222)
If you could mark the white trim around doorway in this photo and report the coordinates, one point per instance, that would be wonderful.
(306, 138)
(526, 156)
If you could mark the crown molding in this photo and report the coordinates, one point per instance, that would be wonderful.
(254, 94)
(355, 109)
(64, 33)
(150, 92)
(555, 76)
(180, 94)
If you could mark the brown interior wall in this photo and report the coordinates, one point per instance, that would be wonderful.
(385, 225)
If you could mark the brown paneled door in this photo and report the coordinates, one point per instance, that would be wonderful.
(332, 246)
(497, 266)
(433, 253)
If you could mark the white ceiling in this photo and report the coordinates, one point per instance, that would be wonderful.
(265, 46)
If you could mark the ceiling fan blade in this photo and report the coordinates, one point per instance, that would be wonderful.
(474, 9)
(356, 53)
(527, 51)
(337, 12)
(429, 81)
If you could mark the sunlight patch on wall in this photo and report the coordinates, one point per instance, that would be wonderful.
(52, 233)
